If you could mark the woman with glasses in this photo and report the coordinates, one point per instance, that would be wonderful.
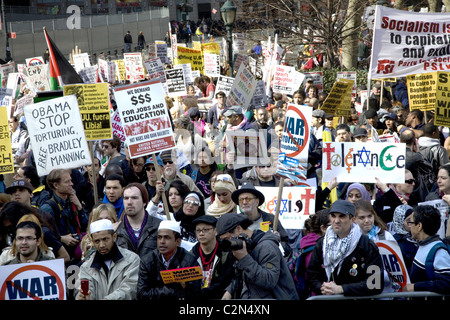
(394, 195)
(192, 208)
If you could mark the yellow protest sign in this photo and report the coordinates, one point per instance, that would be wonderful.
(196, 45)
(211, 47)
(442, 115)
(6, 156)
(338, 101)
(93, 101)
(120, 70)
(187, 55)
(422, 91)
(181, 274)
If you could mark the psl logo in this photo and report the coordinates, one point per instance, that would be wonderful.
(385, 66)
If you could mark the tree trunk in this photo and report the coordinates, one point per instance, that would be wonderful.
(350, 35)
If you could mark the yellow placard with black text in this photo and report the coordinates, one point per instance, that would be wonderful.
(6, 156)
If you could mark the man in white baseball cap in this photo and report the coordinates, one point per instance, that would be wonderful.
(112, 271)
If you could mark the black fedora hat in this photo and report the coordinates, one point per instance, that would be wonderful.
(247, 187)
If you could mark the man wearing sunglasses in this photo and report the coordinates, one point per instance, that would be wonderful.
(170, 171)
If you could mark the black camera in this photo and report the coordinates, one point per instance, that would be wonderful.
(236, 243)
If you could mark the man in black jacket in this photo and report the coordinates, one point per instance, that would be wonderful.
(169, 255)
(345, 261)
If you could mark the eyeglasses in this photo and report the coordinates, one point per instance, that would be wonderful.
(150, 169)
(192, 202)
(223, 178)
(246, 199)
(167, 162)
(410, 181)
(27, 239)
(105, 146)
(204, 230)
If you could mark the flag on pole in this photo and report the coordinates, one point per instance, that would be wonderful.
(60, 68)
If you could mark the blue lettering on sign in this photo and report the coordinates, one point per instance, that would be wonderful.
(39, 287)
(390, 263)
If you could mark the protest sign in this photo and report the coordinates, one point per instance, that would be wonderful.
(176, 85)
(259, 97)
(134, 68)
(443, 208)
(349, 75)
(116, 125)
(317, 78)
(362, 162)
(249, 147)
(338, 101)
(22, 102)
(422, 91)
(89, 74)
(224, 84)
(211, 64)
(211, 47)
(406, 43)
(393, 263)
(239, 59)
(155, 69)
(286, 80)
(81, 61)
(294, 144)
(241, 92)
(37, 77)
(145, 118)
(121, 74)
(187, 55)
(5, 70)
(6, 156)
(181, 274)
(56, 134)
(161, 51)
(107, 71)
(45, 280)
(296, 204)
(187, 73)
(442, 114)
(93, 101)
(35, 61)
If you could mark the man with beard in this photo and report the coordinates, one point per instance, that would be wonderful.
(170, 172)
(138, 230)
(249, 199)
(112, 271)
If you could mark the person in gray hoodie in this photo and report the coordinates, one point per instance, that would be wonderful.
(431, 148)
(261, 271)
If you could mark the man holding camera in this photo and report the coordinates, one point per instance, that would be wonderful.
(261, 272)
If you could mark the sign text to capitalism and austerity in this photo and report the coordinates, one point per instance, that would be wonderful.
(407, 43)
(56, 134)
(145, 118)
(363, 162)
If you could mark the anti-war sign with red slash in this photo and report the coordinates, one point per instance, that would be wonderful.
(293, 157)
(145, 118)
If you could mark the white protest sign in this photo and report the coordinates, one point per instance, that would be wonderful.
(161, 51)
(37, 77)
(145, 118)
(81, 61)
(187, 70)
(155, 69)
(443, 208)
(294, 144)
(134, 68)
(176, 85)
(244, 85)
(45, 280)
(211, 64)
(107, 71)
(317, 78)
(362, 162)
(35, 61)
(296, 204)
(286, 80)
(224, 84)
(259, 97)
(57, 135)
(116, 125)
(393, 263)
(249, 147)
(406, 43)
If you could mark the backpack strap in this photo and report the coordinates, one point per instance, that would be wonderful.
(429, 268)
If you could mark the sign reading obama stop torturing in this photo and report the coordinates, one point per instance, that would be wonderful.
(363, 162)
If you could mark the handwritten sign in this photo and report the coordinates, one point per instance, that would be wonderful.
(56, 134)
(181, 275)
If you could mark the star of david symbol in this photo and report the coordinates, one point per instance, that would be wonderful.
(367, 155)
(283, 207)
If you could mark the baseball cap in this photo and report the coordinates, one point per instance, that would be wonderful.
(232, 110)
(229, 221)
(19, 184)
(359, 132)
(344, 207)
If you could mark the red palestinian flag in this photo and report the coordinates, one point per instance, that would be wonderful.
(61, 71)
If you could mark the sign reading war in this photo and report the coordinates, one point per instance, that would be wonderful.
(57, 135)
(363, 162)
(145, 118)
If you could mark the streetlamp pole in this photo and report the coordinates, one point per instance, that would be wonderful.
(228, 12)
(8, 49)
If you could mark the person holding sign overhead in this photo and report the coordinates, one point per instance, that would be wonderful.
(167, 257)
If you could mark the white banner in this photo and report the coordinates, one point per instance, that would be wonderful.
(145, 118)
(406, 43)
(45, 280)
(286, 80)
(393, 263)
(363, 162)
(296, 204)
(57, 135)
(241, 93)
